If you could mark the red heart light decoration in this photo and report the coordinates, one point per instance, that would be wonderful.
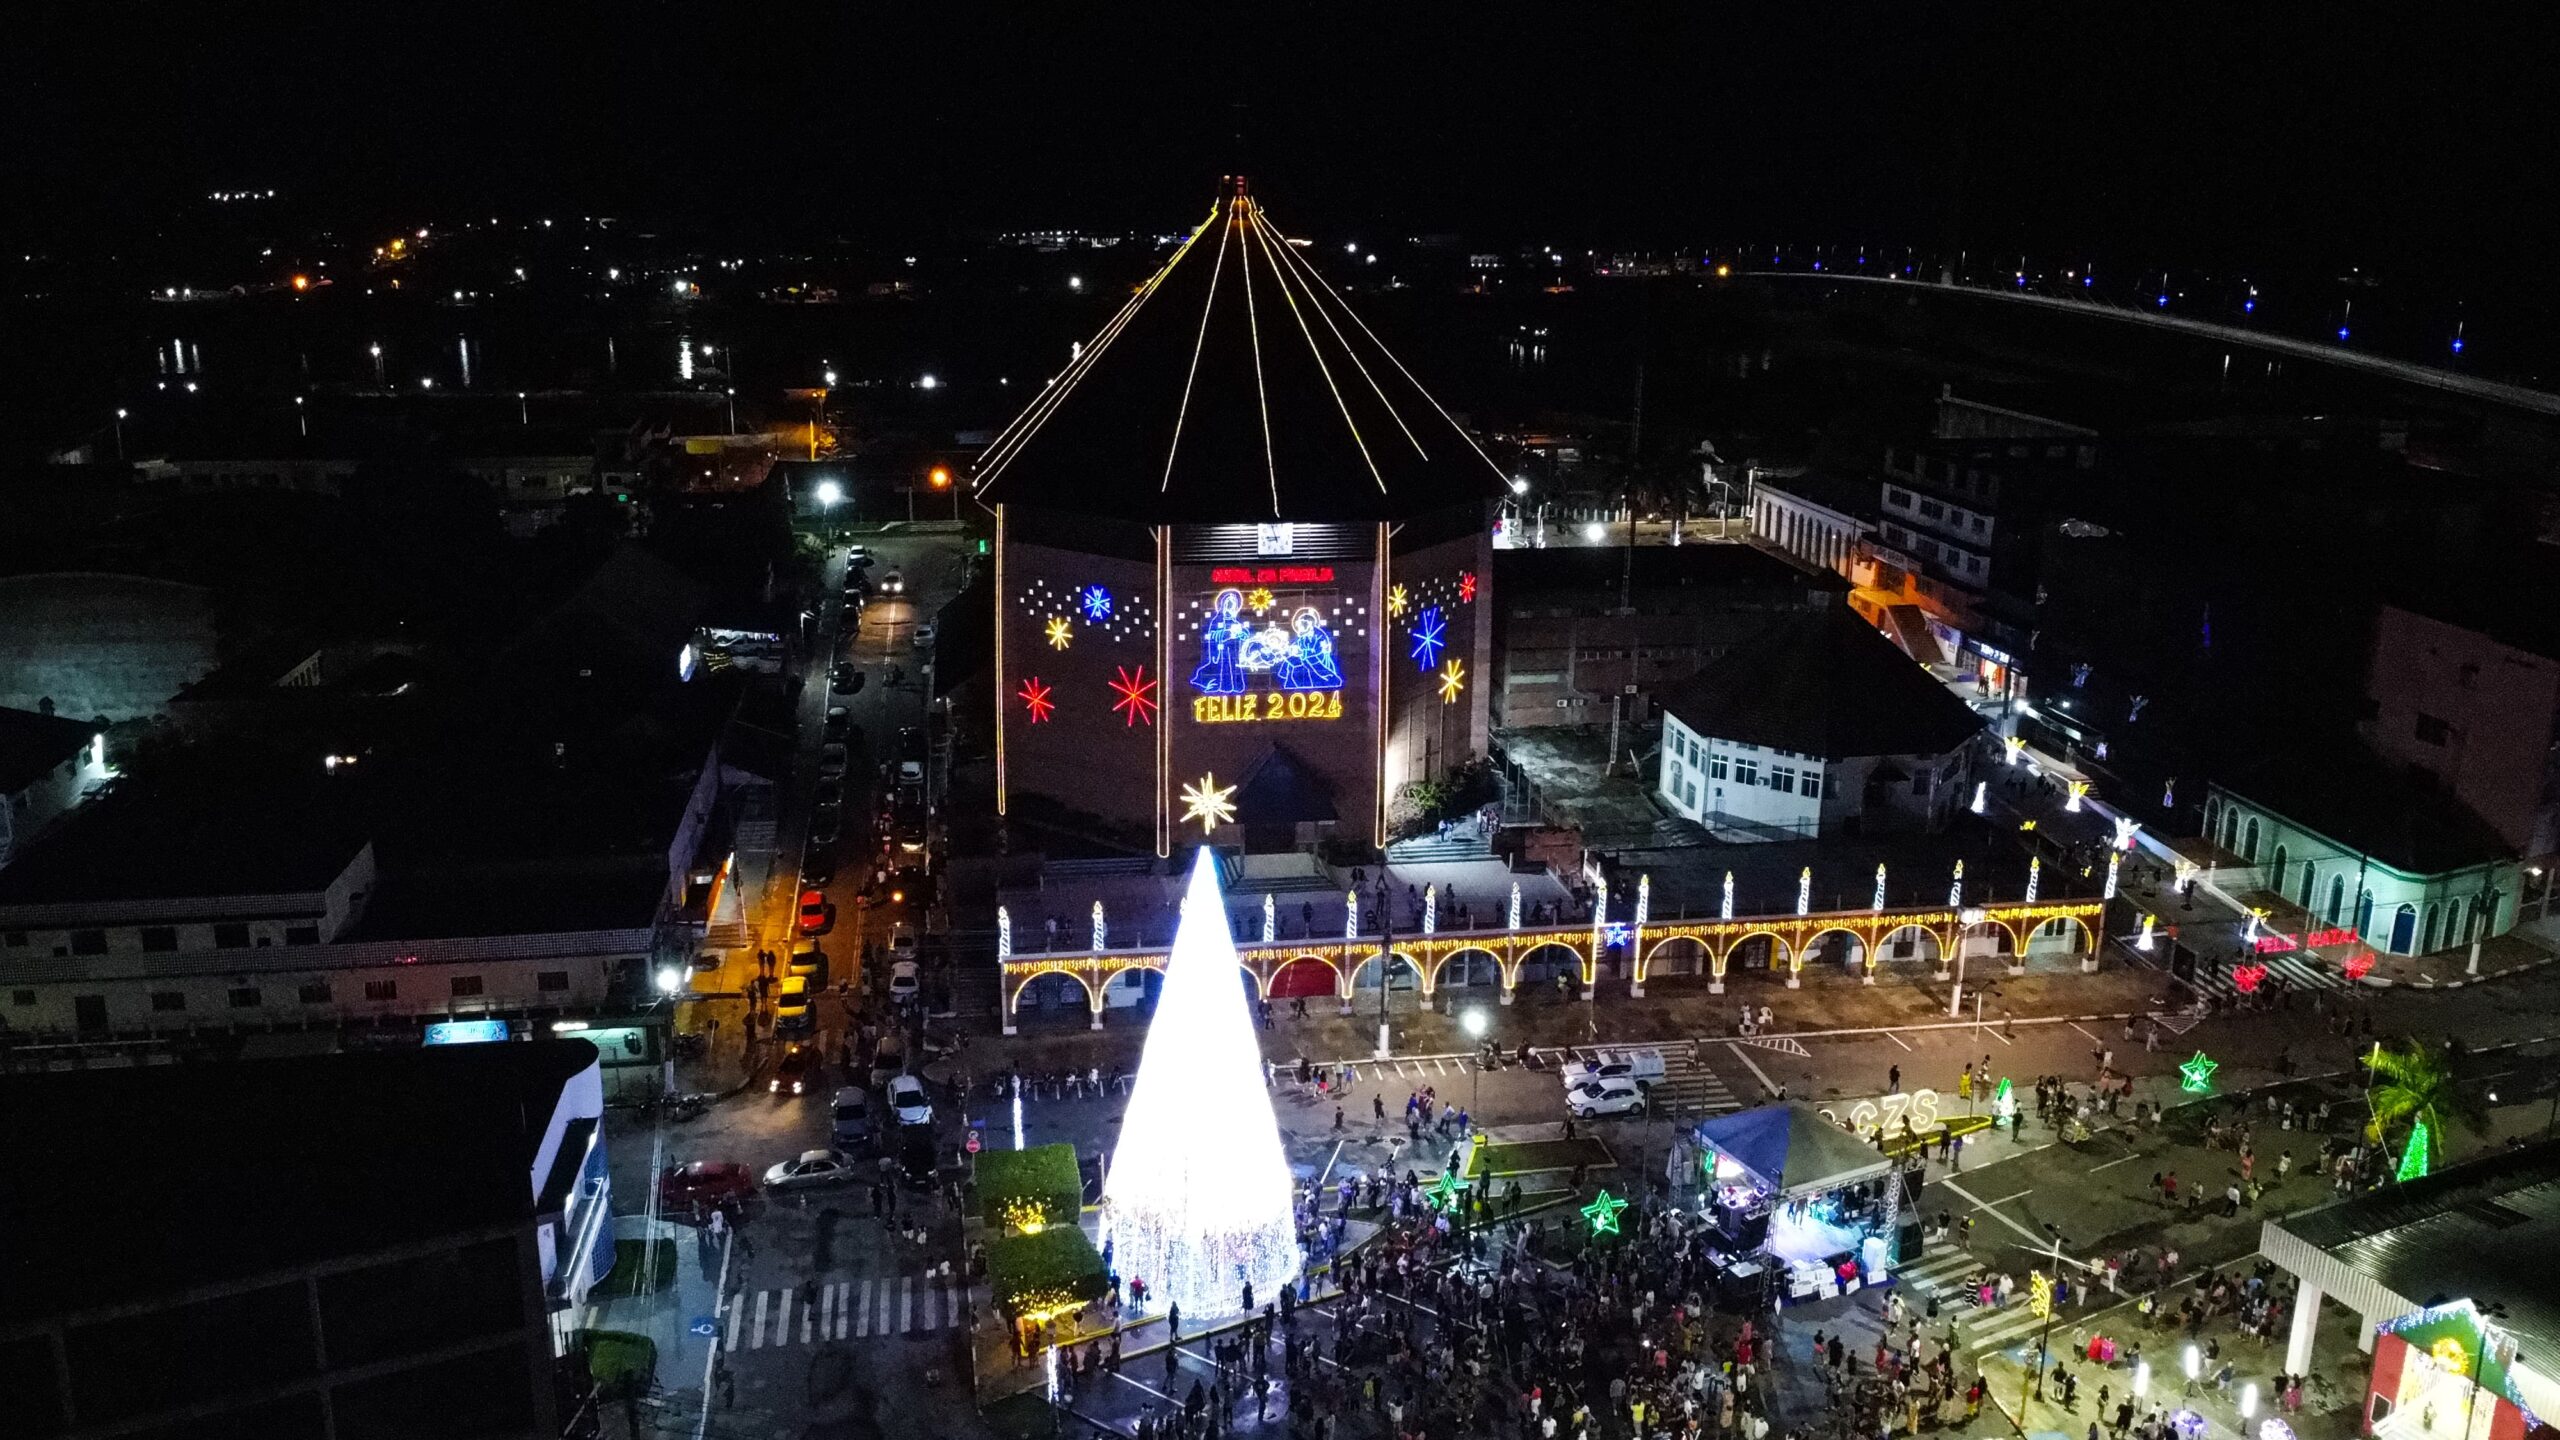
(2247, 977)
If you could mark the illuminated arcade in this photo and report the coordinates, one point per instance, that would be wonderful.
(1235, 541)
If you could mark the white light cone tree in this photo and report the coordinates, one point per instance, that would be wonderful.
(1199, 1197)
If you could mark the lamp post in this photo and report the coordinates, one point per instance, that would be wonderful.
(1475, 1023)
(732, 393)
(2546, 897)
(2044, 1337)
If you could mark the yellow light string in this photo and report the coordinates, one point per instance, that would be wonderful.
(1002, 453)
(1216, 271)
(1304, 266)
(1313, 349)
(1261, 395)
(1065, 379)
(1408, 375)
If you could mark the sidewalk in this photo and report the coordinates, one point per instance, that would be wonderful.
(675, 1315)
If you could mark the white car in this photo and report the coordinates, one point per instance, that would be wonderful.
(811, 1168)
(924, 635)
(907, 1101)
(1617, 1095)
(902, 980)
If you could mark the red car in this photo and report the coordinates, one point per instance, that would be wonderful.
(702, 1185)
(817, 913)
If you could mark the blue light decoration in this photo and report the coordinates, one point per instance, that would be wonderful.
(2342, 334)
(464, 1032)
(2457, 344)
(1095, 602)
(2164, 302)
(1234, 647)
(2088, 280)
(1616, 934)
(1430, 637)
(2248, 307)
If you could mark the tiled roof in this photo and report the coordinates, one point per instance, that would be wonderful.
(1827, 684)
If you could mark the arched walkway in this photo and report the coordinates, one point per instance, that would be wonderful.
(1541, 963)
(1305, 977)
(1468, 968)
(1058, 994)
(2061, 935)
(1906, 943)
(1759, 950)
(1403, 974)
(1836, 946)
(1680, 955)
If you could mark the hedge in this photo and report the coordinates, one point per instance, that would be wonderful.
(1020, 1190)
(1047, 1274)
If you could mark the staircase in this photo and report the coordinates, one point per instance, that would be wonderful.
(1430, 850)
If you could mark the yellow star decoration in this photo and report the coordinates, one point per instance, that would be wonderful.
(1061, 630)
(1260, 600)
(1453, 678)
(1396, 600)
(1208, 802)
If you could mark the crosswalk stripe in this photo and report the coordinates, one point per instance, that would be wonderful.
(808, 1319)
(886, 1305)
(729, 1321)
(756, 1342)
(862, 1312)
(844, 1307)
(950, 1305)
(781, 1317)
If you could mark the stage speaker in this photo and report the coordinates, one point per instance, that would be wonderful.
(1907, 1247)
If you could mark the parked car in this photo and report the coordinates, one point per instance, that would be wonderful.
(791, 1072)
(1616, 1096)
(845, 678)
(830, 761)
(902, 980)
(809, 1169)
(703, 1185)
(902, 944)
(830, 795)
(839, 720)
(810, 964)
(817, 868)
(1643, 1066)
(817, 914)
(924, 635)
(825, 826)
(907, 1101)
(851, 1118)
(791, 1013)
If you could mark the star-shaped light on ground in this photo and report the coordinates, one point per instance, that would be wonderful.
(1603, 1213)
(1208, 802)
(1447, 1192)
(1137, 695)
(1035, 698)
(1397, 599)
(1466, 587)
(1259, 598)
(1430, 637)
(1453, 679)
(1061, 630)
(2196, 1076)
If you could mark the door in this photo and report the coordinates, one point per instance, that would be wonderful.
(89, 1013)
(2404, 929)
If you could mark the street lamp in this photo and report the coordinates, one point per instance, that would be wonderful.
(375, 350)
(1595, 532)
(732, 392)
(1475, 1024)
(120, 413)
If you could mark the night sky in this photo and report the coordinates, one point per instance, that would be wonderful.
(2197, 135)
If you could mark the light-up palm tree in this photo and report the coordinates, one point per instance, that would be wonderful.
(2414, 1092)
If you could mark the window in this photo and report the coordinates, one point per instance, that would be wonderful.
(15, 939)
(314, 992)
(2432, 730)
(466, 985)
(1811, 789)
(382, 989)
(22, 998)
(1746, 771)
(551, 980)
(88, 942)
(302, 934)
(1672, 781)
(159, 938)
(246, 997)
(1715, 765)
(168, 1000)
(231, 935)
(1782, 779)
(1932, 510)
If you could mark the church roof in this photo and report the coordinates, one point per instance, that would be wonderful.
(1825, 683)
(1280, 789)
(1234, 386)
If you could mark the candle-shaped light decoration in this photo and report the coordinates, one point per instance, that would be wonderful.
(1879, 901)
(2079, 788)
(2035, 876)
(2017, 746)
(1430, 909)
(1515, 904)
(1270, 917)
(1804, 891)
(1599, 917)
(1004, 933)
(1099, 933)
(1725, 911)
(1955, 888)
(1350, 914)
(2143, 942)
(1644, 900)
(2115, 863)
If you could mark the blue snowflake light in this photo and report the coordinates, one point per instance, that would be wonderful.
(1430, 637)
(1095, 602)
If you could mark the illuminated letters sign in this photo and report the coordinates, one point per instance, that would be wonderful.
(1272, 575)
(1278, 705)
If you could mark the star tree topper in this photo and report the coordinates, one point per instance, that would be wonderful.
(2196, 1076)
(1208, 802)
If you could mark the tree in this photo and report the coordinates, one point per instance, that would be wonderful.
(2413, 1089)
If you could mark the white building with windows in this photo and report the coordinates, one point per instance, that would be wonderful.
(1819, 726)
(2335, 838)
(1801, 516)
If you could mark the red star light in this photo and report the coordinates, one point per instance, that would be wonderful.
(1466, 587)
(2248, 977)
(1137, 695)
(1035, 698)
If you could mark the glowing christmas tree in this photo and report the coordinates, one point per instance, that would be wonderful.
(1198, 1203)
(2413, 1161)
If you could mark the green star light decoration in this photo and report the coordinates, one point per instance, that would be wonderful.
(1603, 1213)
(1445, 1194)
(2196, 1076)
